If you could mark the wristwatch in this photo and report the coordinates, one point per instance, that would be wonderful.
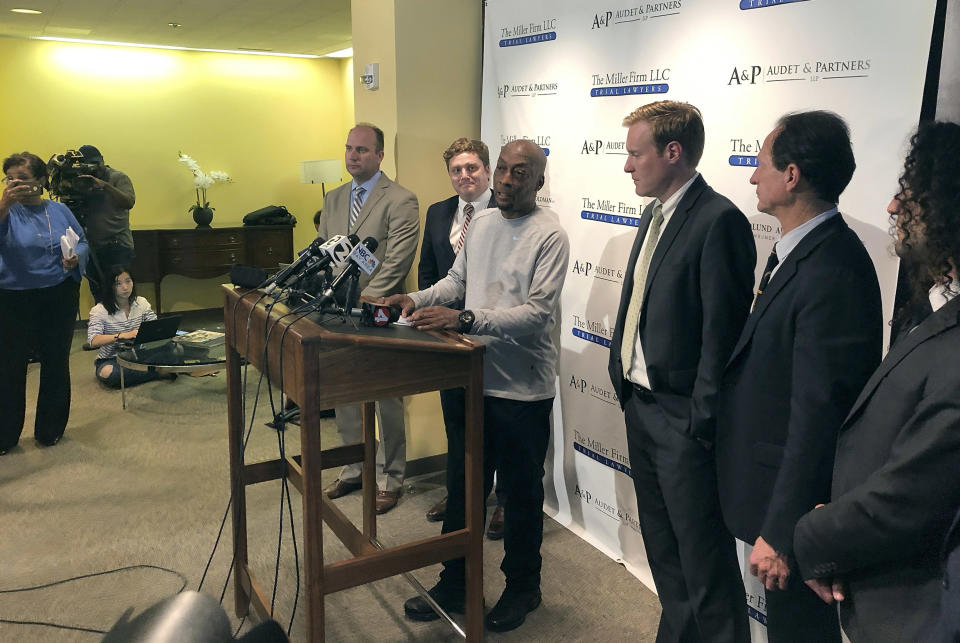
(465, 321)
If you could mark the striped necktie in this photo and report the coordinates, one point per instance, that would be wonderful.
(467, 215)
(355, 207)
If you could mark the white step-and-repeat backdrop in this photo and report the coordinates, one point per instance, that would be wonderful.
(564, 73)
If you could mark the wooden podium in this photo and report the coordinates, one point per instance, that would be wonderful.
(334, 365)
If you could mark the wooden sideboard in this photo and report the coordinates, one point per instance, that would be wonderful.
(201, 253)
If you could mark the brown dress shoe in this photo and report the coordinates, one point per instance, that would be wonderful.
(341, 488)
(438, 511)
(495, 530)
(386, 500)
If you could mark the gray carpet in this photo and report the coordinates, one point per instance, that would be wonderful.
(149, 486)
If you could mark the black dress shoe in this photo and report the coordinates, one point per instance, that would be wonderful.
(511, 610)
(438, 511)
(451, 600)
(48, 443)
(340, 488)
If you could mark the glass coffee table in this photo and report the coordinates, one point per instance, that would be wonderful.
(170, 356)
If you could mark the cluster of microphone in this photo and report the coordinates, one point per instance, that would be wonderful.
(328, 268)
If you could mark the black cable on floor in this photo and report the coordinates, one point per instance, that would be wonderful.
(78, 628)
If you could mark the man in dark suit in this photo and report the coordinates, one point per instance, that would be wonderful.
(372, 205)
(811, 341)
(876, 546)
(948, 626)
(686, 294)
(468, 164)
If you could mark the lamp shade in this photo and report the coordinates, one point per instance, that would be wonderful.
(320, 171)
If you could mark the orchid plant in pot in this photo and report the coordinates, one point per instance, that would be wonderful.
(202, 212)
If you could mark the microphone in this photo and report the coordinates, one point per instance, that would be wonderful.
(335, 251)
(377, 314)
(310, 252)
(360, 258)
(369, 314)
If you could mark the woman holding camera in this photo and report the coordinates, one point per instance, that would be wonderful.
(115, 318)
(39, 295)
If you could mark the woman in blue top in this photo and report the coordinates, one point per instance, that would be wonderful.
(39, 290)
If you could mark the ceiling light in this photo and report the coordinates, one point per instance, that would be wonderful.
(29, 11)
(174, 24)
(343, 53)
(146, 46)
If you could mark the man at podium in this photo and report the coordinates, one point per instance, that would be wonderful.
(509, 273)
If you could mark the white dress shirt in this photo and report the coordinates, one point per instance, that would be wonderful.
(638, 367)
(457, 226)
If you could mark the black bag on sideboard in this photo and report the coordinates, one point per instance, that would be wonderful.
(270, 215)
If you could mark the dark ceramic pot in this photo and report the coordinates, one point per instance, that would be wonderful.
(203, 217)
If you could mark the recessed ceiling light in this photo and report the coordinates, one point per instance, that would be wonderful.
(146, 46)
(343, 53)
(29, 11)
(174, 24)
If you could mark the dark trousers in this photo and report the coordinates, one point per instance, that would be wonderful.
(36, 321)
(515, 438)
(102, 259)
(130, 376)
(797, 615)
(691, 554)
(453, 404)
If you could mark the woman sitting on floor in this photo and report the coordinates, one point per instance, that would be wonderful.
(118, 317)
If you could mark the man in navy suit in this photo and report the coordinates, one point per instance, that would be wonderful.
(468, 164)
(876, 546)
(686, 293)
(809, 344)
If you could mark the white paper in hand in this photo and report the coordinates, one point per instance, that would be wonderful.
(68, 243)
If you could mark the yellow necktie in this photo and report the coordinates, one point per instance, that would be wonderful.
(632, 320)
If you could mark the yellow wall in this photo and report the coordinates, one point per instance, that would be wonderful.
(430, 59)
(254, 117)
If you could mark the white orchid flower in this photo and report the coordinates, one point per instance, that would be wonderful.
(202, 181)
(191, 164)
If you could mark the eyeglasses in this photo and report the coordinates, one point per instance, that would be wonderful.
(123, 282)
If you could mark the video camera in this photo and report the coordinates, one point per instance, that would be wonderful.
(65, 173)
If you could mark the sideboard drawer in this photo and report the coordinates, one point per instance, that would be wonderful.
(201, 240)
(268, 248)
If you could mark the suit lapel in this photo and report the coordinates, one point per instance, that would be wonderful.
(785, 273)
(448, 217)
(669, 234)
(945, 318)
(376, 194)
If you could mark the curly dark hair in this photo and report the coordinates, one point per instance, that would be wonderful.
(926, 223)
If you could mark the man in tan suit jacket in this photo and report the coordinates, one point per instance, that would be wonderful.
(372, 205)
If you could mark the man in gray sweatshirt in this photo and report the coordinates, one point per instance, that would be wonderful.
(509, 273)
